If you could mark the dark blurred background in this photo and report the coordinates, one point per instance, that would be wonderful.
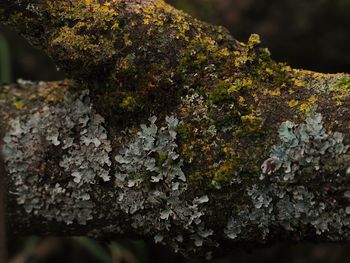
(313, 34)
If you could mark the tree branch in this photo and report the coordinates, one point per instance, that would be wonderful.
(172, 130)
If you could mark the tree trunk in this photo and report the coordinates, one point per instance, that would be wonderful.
(171, 129)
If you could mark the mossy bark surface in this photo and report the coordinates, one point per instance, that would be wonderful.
(173, 130)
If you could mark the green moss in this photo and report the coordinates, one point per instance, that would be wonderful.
(343, 85)
(249, 52)
(227, 89)
(129, 103)
(227, 169)
(202, 50)
(182, 131)
(162, 158)
(146, 175)
(216, 177)
(250, 125)
(342, 89)
(19, 103)
(191, 60)
(220, 92)
(221, 121)
(200, 181)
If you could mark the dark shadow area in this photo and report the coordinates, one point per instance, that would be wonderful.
(81, 250)
(23, 61)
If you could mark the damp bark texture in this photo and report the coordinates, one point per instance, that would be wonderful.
(170, 129)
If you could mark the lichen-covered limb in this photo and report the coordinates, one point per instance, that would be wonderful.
(172, 130)
(188, 180)
(135, 56)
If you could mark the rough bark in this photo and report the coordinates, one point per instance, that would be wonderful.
(171, 129)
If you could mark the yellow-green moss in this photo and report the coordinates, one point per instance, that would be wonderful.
(220, 92)
(129, 103)
(341, 89)
(343, 85)
(248, 54)
(225, 172)
(293, 103)
(19, 103)
(250, 124)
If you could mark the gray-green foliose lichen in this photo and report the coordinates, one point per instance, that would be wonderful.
(73, 130)
(150, 185)
(282, 198)
(303, 145)
(151, 182)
